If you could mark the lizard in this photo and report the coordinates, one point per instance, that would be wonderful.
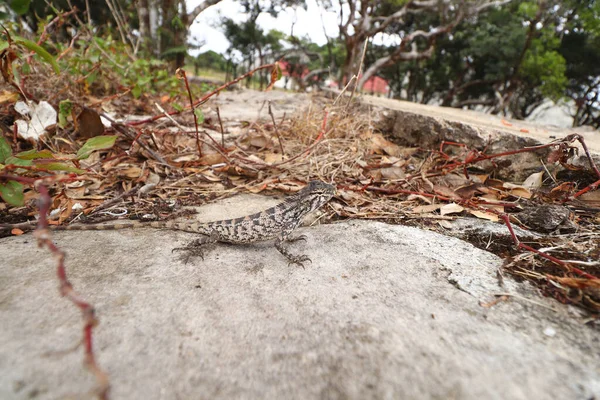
(277, 222)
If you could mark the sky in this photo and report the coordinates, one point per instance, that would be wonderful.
(306, 22)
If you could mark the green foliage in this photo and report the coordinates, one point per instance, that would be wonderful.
(546, 68)
(21, 45)
(40, 160)
(64, 111)
(199, 115)
(212, 60)
(5, 150)
(20, 7)
(12, 193)
(95, 144)
(116, 66)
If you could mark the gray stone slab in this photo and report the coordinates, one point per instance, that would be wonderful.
(383, 312)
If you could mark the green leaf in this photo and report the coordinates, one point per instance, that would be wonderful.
(136, 91)
(33, 154)
(94, 144)
(200, 115)
(64, 111)
(20, 6)
(17, 161)
(12, 193)
(57, 166)
(5, 150)
(40, 52)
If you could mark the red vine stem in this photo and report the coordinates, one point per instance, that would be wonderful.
(42, 234)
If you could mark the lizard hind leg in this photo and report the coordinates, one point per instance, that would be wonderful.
(195, 247)
(293, 259)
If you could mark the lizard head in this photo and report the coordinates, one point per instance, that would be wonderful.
(316, 193)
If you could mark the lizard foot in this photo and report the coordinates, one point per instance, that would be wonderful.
(192, 250)
(300, 260)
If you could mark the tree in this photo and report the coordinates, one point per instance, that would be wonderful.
(508, 60)
(580, 46)
(400, 19)
(250, 40)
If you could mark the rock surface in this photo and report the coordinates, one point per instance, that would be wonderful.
(382, 312)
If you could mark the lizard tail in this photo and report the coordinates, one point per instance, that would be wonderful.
(194, 227)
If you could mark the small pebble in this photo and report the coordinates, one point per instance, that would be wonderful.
(550, 332)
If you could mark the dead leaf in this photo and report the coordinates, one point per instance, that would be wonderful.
(517, 190)
(424, 199)
(89, 123)
(445, 224)
(446, 192)
(8, 97)
(534, 181)
(426, 208)
(392, 173)
(468, 191)
(380, 145)
(36, 119)
(484, 215)
(451, 208)
(271, 158)
(506, 123)
(480, 178)
(130, 173)
(16, 231)
(562, 190)
(211, 159)
(521, 192)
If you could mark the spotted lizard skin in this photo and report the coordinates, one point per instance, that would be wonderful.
(277, 223)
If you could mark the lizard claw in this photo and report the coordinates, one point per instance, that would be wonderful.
(301, 237)
(300, 260)
(191, 250)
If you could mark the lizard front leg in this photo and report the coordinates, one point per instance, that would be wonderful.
(279, 245)
(194, 248)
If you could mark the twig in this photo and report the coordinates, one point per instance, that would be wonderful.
(221, 125)
(215, 147)
(116, 126)
(360, 67)
(114, 200)
(205, 98)
(181, 73)
(276, 130)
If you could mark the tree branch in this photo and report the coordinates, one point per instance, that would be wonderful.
(196, 11)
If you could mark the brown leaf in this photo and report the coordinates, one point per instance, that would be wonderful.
(89, 123)
(446, 192)
(380, 145)
(16, 231)
(468, 191)
(271, 158)
(392, 173)
(130, 173)
(8, 97)
(211, 159)
(428, 208)
(484, 215)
